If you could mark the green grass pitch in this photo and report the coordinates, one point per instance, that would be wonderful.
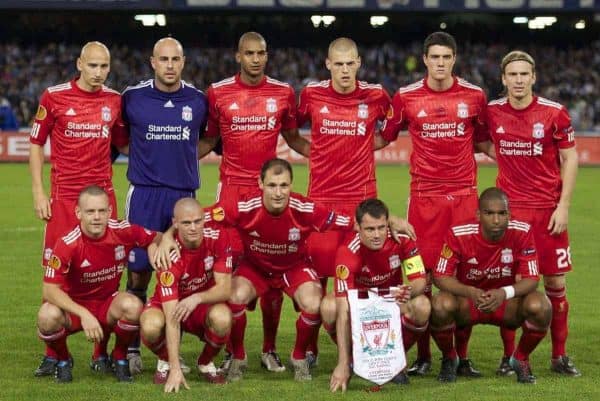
(20, 350)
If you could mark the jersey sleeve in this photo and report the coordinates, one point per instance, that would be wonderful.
(289, 117)
(43, 122)
(167, 281)
(481, 133)
(383, 105)
(393, 119)
(412, 263)
(221, 249)
(303, 111)
(212, 125)
(139, 236)
(347, 264)
(564, 134)
(527, 258)
(324, 219)
(58, 265)
(449, 258)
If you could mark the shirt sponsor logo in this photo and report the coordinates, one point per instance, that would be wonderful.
(168, 133)
(538, 130)
(442, 130)
(106, 114)
(252, 123)
(506, 271)
(86, 130)
(294, 234)
(271, 105)
(520, 148)
(342, 127)
(363, 111)
(186, 113)
(292, 248)
(119, 252)
(462, 110)
(41, 113)
(506, 255)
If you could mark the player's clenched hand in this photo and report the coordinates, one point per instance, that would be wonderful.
(91, 327)
(477, 295)
(174, 380)
(402, 226)
(339, 378)
(559, 220)
(41, 204)
(185, 307)
(493, 300)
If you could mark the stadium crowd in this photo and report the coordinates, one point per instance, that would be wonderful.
(567, 75)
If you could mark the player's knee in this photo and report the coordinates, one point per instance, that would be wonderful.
(536, 304)
(50, 318)
(443, 303)
(130, 306)
(220, 319)
(151, 325)
(241, 292)
(310, 304)
(555, 281)
(328, 309)
(421, 309)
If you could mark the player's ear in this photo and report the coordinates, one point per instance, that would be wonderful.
(260, 184)
(356, 226)
(328, 64)
(358, 62)
(78, 212)
(109, 210)
(238, 57)
(79, 64)
(478, 215)
(152, 62)
(533, 78)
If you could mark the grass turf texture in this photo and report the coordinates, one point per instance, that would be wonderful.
(20, 349)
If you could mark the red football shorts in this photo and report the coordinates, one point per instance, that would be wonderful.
(194, 324)
(554, 252)
(64, 220)
(288, 281)
(322, 247)
(496, 317)
(432, 217)
(98, 308)
(228, 195)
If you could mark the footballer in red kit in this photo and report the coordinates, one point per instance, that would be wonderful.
(368, 259)
(534, 145)
(82, 118)
(248, 112)
(487, 273)
(441, 113)
(194, 290)
(81, 285)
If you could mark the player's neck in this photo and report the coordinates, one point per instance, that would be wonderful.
(167, 88)
(81, 84)
(440, 85)
(342, 90)
(251, 80)
(520, 103)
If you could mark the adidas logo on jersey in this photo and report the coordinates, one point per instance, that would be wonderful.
(254, 234)
(185, 276)
(85, 263)
(500, 130)
(169, 104)
(70, 112)
(234, 106)
(422, 113)
(324, 110)
(472, 261)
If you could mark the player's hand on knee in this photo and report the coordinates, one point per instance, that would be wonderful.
(92, 328)
(185, 307)
(339, 378)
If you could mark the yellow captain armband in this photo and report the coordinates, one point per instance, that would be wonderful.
(413, 265)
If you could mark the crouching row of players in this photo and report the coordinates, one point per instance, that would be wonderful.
(487, 273)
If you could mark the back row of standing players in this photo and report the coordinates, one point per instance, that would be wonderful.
(165, 125)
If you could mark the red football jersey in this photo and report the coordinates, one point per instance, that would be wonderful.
(527, 144)
(488, 265)
(249, 120)
(358, 267)
(90, 269)
(443, 127)
(342, 161)
(80, 125)
(276, 244)
(194, 270)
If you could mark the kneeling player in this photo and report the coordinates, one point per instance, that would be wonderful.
(81, 285)
(372, 259)
(488, 273)
(190, 295)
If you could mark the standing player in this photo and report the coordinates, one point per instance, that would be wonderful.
(343, 113)
(488, 274)
(248, 112)
(370, 258)
(81, 284)
(534, 145)
(190, 295)
(79, 116)
(165, 117)
(441, 113)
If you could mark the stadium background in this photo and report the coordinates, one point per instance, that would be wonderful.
(41, 39)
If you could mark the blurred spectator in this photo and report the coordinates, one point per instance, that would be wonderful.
(8, 119)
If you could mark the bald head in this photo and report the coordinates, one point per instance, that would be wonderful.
(93, 65)
(342, 45)
(168, 43)
(186, 205)
(93, 48)
(251, 37)
(188, 219)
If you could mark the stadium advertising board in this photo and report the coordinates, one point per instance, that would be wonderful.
(14, 147)
(299, 5)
